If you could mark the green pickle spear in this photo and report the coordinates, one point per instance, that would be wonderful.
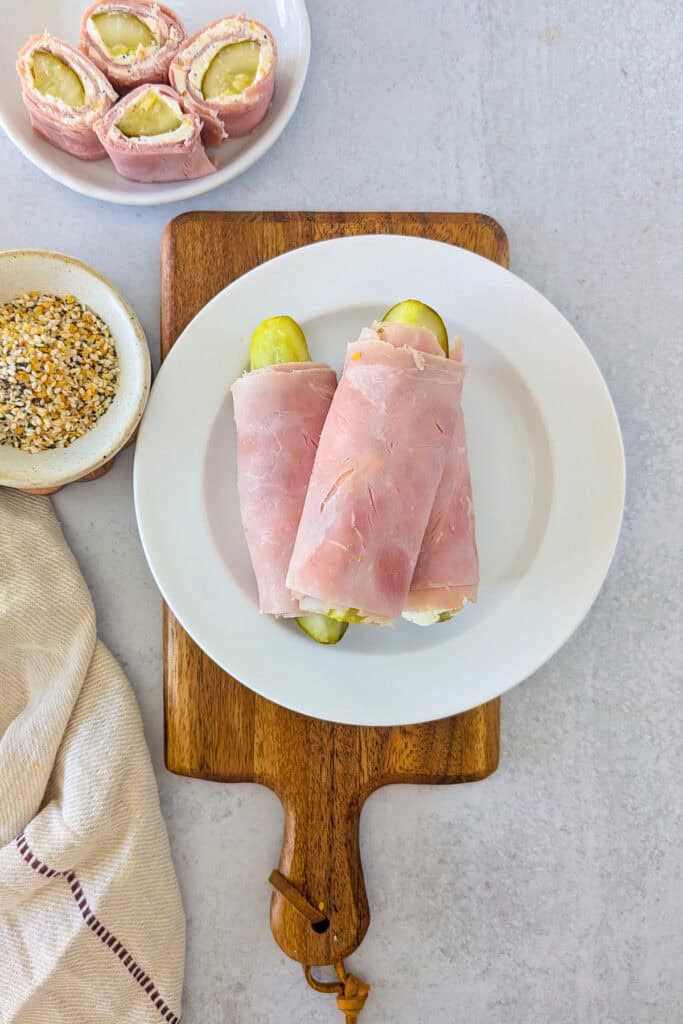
(122, 33)
(53, 77)
(322, 629)
(411, 311)
(280, 340)
(150, 115)
(232, 70)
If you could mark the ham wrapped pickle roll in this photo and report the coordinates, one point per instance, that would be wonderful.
(380, 460)
(133, 41)
(65, 95)
(446, 576)
(279, 413)
(151, 135)
(227, 73)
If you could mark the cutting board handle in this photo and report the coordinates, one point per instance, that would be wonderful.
(321, 859)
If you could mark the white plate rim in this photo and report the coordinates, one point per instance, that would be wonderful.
(194, 187)
(344, 713)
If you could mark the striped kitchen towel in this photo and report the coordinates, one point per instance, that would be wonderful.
(91, 923)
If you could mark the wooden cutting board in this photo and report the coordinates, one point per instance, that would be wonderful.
(218, 729)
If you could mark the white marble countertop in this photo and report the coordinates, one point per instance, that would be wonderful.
(552, 891)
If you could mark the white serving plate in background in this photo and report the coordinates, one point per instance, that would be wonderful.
(288, 21)
(547, 470)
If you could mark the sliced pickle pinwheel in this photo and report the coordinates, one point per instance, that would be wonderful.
(132, 41)
(227, 72)
(65, 95)
(151, 135)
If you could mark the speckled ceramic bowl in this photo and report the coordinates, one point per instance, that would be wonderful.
(24, 270)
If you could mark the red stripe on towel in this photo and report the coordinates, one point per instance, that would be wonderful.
(96, 926)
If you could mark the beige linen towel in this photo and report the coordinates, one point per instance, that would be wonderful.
(91, 924)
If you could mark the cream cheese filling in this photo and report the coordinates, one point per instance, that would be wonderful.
(430, 618)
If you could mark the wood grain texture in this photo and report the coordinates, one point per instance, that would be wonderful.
(218, 729)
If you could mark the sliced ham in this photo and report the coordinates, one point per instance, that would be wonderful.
(66, 126)
(172, 156)
(446, 576)
(403, 335)
(456, 348)
(447, 572)
(228, 114)
(150, 61)
(379, 463)
(279, 414)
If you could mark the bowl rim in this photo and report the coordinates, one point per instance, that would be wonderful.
(139, 338)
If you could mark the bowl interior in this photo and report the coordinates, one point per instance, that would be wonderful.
(24, 271)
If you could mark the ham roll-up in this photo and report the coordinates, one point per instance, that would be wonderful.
(380, 459)
(151, 135)
(279, 414)
(227, 72)
(65, 95)
(446, 576)
(133, 41)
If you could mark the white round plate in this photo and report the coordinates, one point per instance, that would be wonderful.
(287, 21)
(547, 469)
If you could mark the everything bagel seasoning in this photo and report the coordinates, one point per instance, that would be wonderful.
(59, 371)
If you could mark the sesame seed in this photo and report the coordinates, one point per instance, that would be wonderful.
(59, 371)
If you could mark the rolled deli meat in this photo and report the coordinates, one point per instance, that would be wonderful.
(446, 576)
(279, 414)
(378, 467)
